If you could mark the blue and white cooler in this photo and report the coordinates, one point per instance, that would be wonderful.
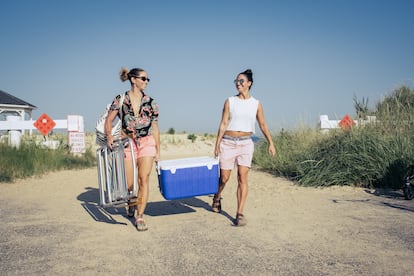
(188, 177)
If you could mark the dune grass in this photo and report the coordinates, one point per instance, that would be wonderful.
(32, 159)
(365, 157)
(378, 154)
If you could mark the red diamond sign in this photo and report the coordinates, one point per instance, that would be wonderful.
(346, 122)
(44, 124)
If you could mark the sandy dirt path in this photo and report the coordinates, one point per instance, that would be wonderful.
(53, 225)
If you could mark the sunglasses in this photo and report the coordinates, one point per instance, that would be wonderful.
(143, 78)
(238, 81)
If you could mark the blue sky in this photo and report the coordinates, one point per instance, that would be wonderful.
(308, 57)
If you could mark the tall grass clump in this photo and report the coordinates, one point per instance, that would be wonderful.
(291, 147)
(359, 157)
(31, 159)
(375, 154)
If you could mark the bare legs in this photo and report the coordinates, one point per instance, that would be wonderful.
(145, 166)
(242, 188)
(129, 169)
(224, 177)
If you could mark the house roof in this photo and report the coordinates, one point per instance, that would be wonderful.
(7, 99)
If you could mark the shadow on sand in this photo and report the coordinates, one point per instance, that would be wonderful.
(393, 199)
(90, 202)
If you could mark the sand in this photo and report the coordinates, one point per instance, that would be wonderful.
(53, 225)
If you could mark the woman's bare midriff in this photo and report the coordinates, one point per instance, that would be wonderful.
(233, 133)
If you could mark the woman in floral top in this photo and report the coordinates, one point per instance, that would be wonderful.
(139, 114)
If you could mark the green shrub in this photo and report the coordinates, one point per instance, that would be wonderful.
(31, 159)
(192, 137)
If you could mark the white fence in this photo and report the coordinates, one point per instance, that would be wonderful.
(73, 124)
(326, 124)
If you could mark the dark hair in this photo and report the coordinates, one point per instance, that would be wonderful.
(249, 75)
(126, 74)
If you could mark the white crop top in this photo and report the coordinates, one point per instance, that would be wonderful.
(242, 114)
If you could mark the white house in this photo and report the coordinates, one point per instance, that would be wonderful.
(13, 106)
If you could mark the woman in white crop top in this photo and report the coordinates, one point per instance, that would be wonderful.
(234, 145)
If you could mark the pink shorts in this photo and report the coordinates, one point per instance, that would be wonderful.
(234, 151)
(145, 146)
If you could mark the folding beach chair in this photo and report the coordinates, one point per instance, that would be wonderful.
(113, 190)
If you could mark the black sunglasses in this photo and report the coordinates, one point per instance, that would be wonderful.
(238, 81)
(143, 78)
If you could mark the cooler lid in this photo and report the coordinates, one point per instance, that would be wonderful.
(191, 162)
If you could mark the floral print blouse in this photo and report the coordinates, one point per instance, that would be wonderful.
(142, 124)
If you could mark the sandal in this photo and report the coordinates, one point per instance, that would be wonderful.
(240, 220)
(140, 224)
(131, 208)
(216, 206)
(131, 211)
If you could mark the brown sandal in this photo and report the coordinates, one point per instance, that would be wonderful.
(131, 207)
(140, 224)
(131, 211)
(240, 220)
(216, 206)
